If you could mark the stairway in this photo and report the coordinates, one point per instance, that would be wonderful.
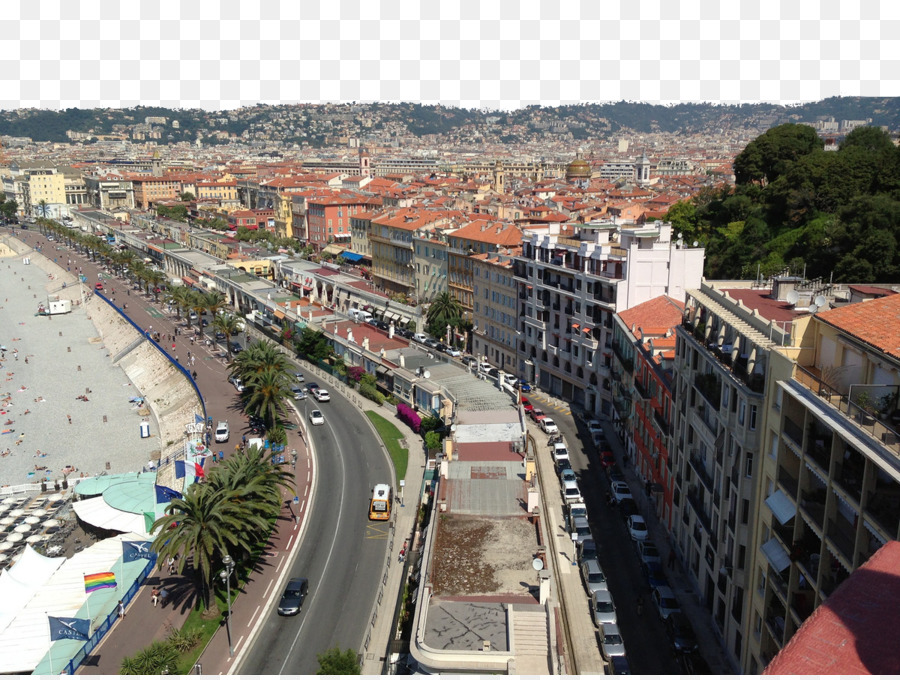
(531, 639)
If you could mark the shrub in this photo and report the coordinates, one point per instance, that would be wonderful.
(431, 423)
(183, 640)
(158, 658)
(432, 441)
(355, 373)
(410, 417)
(371, 392)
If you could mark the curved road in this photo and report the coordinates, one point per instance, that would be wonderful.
(342, 553)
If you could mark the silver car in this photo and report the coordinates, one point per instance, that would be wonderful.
(611, 642)
(603, 607)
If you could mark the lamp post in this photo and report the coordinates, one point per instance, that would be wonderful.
(225, 575)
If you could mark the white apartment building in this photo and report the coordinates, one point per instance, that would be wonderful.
(572, 278)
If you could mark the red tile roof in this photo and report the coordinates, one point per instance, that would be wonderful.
(768, 307)
(854, 632)
(655, 316)
(875, 321)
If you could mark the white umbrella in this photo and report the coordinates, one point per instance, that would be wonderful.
(32, 520)
(7, 545)
(51, 523)
(55, 497)
(37, 538)
(22, 528)
(38, 512)
(14, 537)
(18, 512)
(4, 521)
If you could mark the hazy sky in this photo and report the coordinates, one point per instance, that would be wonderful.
(60, 53)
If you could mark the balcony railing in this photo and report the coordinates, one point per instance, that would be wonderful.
(664, 426)
(627, 362)
(793, 431)
(788, 482)
(641, 389)
(699, 510)
(697, 464)
(709, 385)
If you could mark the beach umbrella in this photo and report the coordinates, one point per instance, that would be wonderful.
(50, 523)
(37, 538)
(15, 537)
(7, 545)
(32, 520)
(21, 528)
(55, 497)
(38, 512)
(5, 521)
(18, 512)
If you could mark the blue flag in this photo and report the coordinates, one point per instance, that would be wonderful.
(180, 469)
(164, 494)
(136, 550)
(64, 628)
(197, 419)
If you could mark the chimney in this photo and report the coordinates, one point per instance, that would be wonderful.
(391, 330)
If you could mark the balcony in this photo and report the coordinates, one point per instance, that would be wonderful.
(664, 427)
(699, 467)
(641, 389)
(709, 385)
(813, 505)
(699, 511)
(788, 482)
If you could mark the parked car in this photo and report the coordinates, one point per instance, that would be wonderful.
(637, 528)
(648, 553)
(593, 576)
(441, 347)
(620, 491)
(293, 596)
(537, 415)
(316, 417)
(98, 286)
(571, 493)
(222, 433)
(575, 510)
(603, 607)
(618, 665)
(582, 530)
(615, 474)
(611, 642)
(664, 601)
(607, 459)
(453, 352)
(220, 336)
(468, 361)
(298, 376)
(595, 429)
(567, 475)
(560, 453)
(653, 574)
(628, 508)
(236, 348)
(586, 550)
(431, 342)
(312, 386)
(321, 395)
(238, 385)
(548, 426)
(525, 387)
(527, 406)
(680, 633)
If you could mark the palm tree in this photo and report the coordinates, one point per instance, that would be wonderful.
(444, 310)
(256, 475)
(202, 526)
(228, 324)
(43, 208)
(178, 297)
(214, 301)
(197, 304)
(156, 279)
(267, 395)
(259, 357)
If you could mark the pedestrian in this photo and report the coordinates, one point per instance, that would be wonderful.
(640, 605)
(154, 596)
(170, 563)
(121, 608)
(70, 419)
(163, 596)
(194, 375)
(402, 555)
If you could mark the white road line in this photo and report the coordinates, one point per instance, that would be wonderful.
(302, 505)
(256, 611)
(283, 557)
(266, 593)
(308, 473)
(240, 640)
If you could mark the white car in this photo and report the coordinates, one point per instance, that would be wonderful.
(238, 385)
(611, 643)
(637, 527)
(453, 352)
(549, 427)
(571, 493)
(604, 607)
(621, 492)
(322, 395)
(222, 432)
(316, 417)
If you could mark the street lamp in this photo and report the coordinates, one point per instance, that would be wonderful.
(225, 575)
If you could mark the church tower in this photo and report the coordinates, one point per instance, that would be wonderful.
(642, 170)
(365, 169)
(499, 177)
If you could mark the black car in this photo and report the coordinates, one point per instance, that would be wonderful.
(236, 348)
(441, 347)
(293, 596)
(628, 508)
(220, 336)
(679, 630)
(653, 574)
(312, 386)
(619, 666)
(587, 550)
(405, 333)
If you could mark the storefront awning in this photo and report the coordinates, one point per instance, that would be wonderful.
(781, 506)
(777, 555)
(404, 320)
(188, 281)
(333, 249)
(351, 257)
(278, 314)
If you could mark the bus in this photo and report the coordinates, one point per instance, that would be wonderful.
(380, 505)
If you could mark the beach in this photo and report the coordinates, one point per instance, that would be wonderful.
(65, 409)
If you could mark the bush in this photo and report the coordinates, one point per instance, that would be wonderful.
(410, 417)
(337, 662)
(182, 640)
(431, 423)
(355, 374)
(432, 441)
(156, 659)
(371, 392)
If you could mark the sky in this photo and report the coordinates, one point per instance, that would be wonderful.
(503, 54)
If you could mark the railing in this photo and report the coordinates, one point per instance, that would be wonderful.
(641, 389)
(699, 510)
(788, 482)
(664, 426)
(793, 431)
(697, 464)
(709, 385)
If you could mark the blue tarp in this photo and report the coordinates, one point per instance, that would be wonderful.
(351, 257)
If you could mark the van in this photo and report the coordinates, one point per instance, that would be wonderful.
(560, 453)
(420, 337)
(360, 315)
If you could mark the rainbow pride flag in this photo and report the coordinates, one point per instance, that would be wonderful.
(105, 579)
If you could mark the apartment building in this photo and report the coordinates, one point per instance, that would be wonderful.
(44, 188)
(149, 190)
(224, 192)
(572, 279)
(494, 312)
(431, 257)
(109, 192)
(644, 347)
(477, 237)
(828, 475)
(328, 218)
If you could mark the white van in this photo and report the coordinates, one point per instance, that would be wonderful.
(360, 315)
(420, 337)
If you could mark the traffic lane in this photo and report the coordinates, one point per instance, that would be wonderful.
(343, 558)
(644, 634)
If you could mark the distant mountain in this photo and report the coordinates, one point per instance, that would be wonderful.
(321, 125)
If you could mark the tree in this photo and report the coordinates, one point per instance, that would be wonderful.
(158, 658)
(336, 662)
(444, 310)
(313, 345)
(766, 158)
(267, 395)
(204, 525)
(229, 325)
(43, 208)
(186, 196)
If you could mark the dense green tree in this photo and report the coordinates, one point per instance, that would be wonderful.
(767, 157)
(313, 345)
(337, 662)
(444, 311)
(229, 325)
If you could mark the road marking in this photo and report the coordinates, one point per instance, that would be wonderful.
(308, 473)
(283, 557)
(302, 505)
(240, 639)
(256, 611)
(266, 593)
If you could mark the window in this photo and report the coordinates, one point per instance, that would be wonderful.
(742, 556)
(753, 410)
(742, 409)
(725, 393)
(748, 470)
(745, 510)
(779, 393)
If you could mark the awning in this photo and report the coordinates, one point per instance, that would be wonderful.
(404, 320)
(576, 326)
(278, 314)
(586, 330)
(333, 248)
(351, 257)
(777, 556)
(781, 506)
(393, 316)
(188, 281)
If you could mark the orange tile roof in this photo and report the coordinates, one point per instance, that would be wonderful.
(875, 322)
(496, 233)
(655, 316)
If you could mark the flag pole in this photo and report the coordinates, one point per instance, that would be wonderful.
(87, 601)
(50, 648)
